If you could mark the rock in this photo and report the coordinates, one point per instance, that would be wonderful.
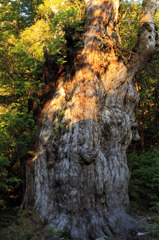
(142, 234)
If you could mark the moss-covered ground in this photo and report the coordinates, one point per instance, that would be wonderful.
(25, 225)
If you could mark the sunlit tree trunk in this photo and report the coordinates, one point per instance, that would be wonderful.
(79, 176)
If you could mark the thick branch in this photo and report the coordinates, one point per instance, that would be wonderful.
(146, 39)
(101, 21)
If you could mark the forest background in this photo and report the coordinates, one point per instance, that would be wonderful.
(30, 32)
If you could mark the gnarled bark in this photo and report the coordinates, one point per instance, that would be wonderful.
(79, 177)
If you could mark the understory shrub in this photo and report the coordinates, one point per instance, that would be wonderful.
(144, 179)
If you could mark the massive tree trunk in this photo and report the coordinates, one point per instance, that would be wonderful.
(79, 176)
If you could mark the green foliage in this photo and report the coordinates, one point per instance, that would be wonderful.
(129, 23)
(68, 26)
(17, 15)
(61, 233)
(148, 109)
(17, 131)
(155, 229)
(19, 81)
(57, 23)
(144, 179)
(22, 226)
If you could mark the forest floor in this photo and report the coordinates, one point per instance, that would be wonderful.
(26, 225)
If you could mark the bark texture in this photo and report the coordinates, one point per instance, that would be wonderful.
(79, 176)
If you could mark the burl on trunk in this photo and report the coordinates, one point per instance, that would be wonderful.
(79, 177)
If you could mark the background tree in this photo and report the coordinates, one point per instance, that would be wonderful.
(19, 76)
(148, 108)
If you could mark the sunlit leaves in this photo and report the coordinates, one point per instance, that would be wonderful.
(57, 18)
(16, 15)
(33, 38)
(129, 22)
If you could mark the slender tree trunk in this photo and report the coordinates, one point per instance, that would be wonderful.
(142, 139)
(141, 127)
(79, 177)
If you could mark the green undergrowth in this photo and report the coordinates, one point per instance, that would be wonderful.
(26, 225)
(23, 226)
(144, 187)
(144, 180)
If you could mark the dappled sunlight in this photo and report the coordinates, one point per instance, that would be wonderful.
(39, 153)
